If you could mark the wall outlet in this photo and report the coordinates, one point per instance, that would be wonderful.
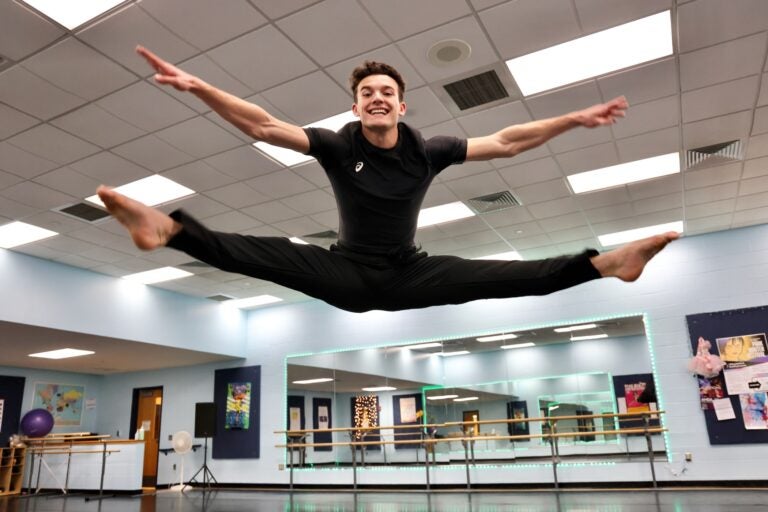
(117, 434)
(170, 437)
(688, 456)
(174, 467)
(281, 467)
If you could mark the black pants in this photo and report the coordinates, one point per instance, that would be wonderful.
(360, 283)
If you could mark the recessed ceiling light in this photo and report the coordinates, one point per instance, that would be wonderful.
(72, 13)
(590, 337)
(519, 345)
(630, 172)
(497, 337)
(423, 346)
(572, 328)
(619, 47)
(289, 157)
(20, 233)
(466, 399)
(622, 237)
(373, 389)
(159, 275)
(62, 353)
(504, 256)
(252, 302)
(444, 213)
(442, 397)
(151, 191)
(455, 353)
(313, 381)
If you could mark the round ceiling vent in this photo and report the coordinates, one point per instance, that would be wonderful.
(449, 52)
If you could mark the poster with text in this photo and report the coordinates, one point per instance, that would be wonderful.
(735, 350)
(754, 412)
(710, 390)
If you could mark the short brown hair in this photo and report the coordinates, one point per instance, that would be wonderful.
(371, 67)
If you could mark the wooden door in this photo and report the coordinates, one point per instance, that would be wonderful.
(149, 405)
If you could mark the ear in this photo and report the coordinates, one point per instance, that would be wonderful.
(355, 110)
(402, 109)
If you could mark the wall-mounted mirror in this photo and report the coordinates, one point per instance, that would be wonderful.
(570, 369)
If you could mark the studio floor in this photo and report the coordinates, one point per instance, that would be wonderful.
(709, 500)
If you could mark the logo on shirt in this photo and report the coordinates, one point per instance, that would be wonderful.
(359, 166)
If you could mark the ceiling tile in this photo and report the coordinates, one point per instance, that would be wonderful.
(574, 220)
(205, 68)
(248, 56)
(353, 30)
(726, 61)
(588, 159)
(13, 121)
(477, 185)
(310, 98)
(110, 169)
(314, 201)
(117, 36)
(596, 15)
(22, 163)
(389, 54)
(720, 99)
(757, 146)
(201, 206)
(198, 176)
(34, 96)
(642, 83)
(97, 126)
(271, 212)
(658, 203)
(491, 120)
(422, 15)
(280, 184)
(521, 27)
(717, 129)
(708, 224)
(710, 194)
(562, 101)
(655, 187)
(7, 179)
(208, 23)
(466, 29)
(425, 109)
(198, 137)
(237, 195)
(24, 32)
(707, 22)
(649, 116)
(53, 144)
(754, 185)
(312, 172)
(146, 107)
(612, 196)
(231, 222)
(69, 182)
(722, 207)
(37, 196)
(607, 213)
(152, 153)
(659, 142)
(243, 163)
(548, 209)
(531, 172)
(761, 121)
(299, 226)
(544, 191)
(698, 178)
(753, 168)
(750, 217)
(276, 10)
(72, 66)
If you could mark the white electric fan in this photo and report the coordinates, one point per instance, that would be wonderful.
(182, 443)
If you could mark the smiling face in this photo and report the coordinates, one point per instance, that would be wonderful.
(377, 103)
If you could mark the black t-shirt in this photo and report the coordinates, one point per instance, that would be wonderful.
(379, 191)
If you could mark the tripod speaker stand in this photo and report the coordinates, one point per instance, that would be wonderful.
(205, 427)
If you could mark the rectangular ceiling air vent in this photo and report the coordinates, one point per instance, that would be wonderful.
(715, 154)
(220, 297)
(493, 202)
(476, 90)
(84, 212)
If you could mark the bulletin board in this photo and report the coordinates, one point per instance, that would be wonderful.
(746, 375)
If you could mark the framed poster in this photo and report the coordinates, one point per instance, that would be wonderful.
(518, 410)
(63, 401)
(407, 410)
(321, 420)
(237, 395)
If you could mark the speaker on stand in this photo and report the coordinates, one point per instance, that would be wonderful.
(205, 427)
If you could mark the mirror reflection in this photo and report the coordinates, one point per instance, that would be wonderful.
(464, 390)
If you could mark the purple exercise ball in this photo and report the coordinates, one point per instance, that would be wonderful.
(37, 423)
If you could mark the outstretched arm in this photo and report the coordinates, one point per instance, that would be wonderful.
(249, 118)
(518, 138)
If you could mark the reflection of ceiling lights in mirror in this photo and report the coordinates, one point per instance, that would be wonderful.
(466, 399)
(63, 353)
(590, 337)
(442, 397)
(456, 353)
(422, 346)
(518, 345)
(498, 337)
(313, 381)
(572, 328)
(379, 388)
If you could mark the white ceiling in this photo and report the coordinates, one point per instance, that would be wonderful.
(77, 110)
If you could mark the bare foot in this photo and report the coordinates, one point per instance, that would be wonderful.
(148, 227)
(628, 261)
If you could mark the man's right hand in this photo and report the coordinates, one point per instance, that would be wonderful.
(167, 73)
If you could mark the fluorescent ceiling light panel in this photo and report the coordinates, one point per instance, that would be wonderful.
(373, 389)
(466, 399)
(313, 381)
(622, 237)
(423, 346)
(590, 337)
(580, 327)
(519, 345)
(442, 397)
(62, 353)
(497, 337)
(456, 353)
(158, 275)
(444, 213)
(289, 157)
(72, 13)
(631, 172)
(151, 191)
(20, 233)
(252, 302)
(619, 47)
(503, 256)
